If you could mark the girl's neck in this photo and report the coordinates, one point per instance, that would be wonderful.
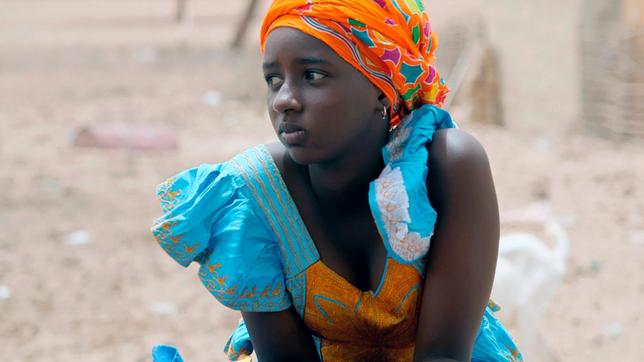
(343, 183)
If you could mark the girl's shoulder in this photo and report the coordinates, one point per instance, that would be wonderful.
(455, 145)
(426, 157)
(457, 161)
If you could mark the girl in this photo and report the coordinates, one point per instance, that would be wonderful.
(370, 231)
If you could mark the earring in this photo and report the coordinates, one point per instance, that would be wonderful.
(384, 112)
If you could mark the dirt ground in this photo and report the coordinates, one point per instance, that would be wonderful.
(68, 64)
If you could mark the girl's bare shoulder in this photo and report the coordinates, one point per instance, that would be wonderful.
(455, 147)
(454, 154)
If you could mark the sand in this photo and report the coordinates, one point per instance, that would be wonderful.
(111, 293)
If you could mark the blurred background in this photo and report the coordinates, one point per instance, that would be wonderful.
(102, 100)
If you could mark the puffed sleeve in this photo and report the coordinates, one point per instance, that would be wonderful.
(208, 217)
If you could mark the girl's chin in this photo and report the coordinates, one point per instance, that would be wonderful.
(301, 158)
(304, 156)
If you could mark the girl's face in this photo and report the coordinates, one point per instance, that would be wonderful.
(321, 107)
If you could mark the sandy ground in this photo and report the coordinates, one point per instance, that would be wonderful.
(70, 64)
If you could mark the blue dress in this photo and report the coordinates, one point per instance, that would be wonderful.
(238, 221)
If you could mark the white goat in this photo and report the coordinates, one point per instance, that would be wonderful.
(528, 274)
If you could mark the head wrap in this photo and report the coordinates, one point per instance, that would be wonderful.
(389, 41)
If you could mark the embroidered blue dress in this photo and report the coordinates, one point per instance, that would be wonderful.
(239, 222)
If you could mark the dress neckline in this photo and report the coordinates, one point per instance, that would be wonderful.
(307, 235)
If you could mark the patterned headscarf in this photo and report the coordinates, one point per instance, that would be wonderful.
(389, 41)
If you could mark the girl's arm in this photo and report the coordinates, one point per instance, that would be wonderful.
(280, 336)
(463, 252)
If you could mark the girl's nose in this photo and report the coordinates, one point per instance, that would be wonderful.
(286, 100)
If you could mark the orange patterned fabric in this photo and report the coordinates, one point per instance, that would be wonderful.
(354, 325)
(390, 41)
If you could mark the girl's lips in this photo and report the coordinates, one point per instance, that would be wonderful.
(293, 138)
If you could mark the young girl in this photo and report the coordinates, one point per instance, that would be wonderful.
(370, 231)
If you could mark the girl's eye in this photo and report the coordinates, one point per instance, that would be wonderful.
(273, 81)
(312, 75)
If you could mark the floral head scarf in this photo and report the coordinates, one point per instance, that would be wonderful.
(389, 41)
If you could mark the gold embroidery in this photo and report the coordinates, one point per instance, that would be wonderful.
(167, 198)
(274, 210)
(191, 249)
(282, 187)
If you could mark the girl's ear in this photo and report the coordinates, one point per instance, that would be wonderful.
(383, 100)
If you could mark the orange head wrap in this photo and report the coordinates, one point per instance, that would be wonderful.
(389, 41)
